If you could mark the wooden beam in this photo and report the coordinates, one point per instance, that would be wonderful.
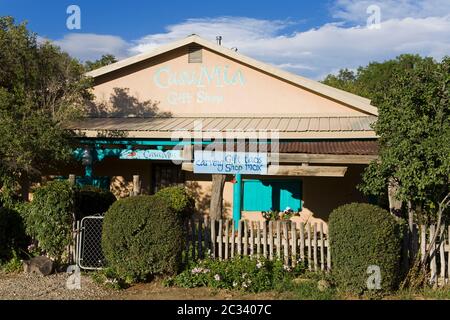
(321, 158)
(187, 166)
(307, 171)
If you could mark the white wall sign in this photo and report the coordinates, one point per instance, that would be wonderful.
(152, 154)
(230, 162)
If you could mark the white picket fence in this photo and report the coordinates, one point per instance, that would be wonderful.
(438, 260)
(284, 240)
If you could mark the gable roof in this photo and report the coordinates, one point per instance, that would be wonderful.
(352, 100)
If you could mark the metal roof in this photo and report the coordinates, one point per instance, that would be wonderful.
(286, 127)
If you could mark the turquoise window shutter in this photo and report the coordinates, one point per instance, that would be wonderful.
(272, 195)
(257, 196)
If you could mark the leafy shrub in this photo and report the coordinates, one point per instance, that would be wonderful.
(178, 199)
(363, 235)
(239, 273)
(142, 237)
(91, 200)
(12, 233)
(49, 217)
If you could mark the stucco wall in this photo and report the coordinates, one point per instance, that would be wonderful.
(233, 88)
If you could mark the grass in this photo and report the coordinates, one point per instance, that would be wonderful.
(14, 265)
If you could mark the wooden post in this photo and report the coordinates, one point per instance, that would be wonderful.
(72, 179)
(442, 254)
(239, 239)
(186, 226)
(227, 230)
(322, 248)
(252, 238)
(136, 185)
(315, 247)
(308, 226)
(207, 235)
(302, 241)
(271, 240)
(200, 234)
(193, 238)
(278, 243)
(219, 244)
(245, 238)
(294, 243)
(286, 243)
(233, 238)
(213, 238)
(423, 243)
(265, 239)
(258, 239)
(433, 266)
(328, 255)
(216, 204)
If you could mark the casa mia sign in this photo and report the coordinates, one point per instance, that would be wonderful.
(194, 86)
(230, 162)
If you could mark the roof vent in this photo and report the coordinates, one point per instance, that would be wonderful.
(219, 40)
(195, 54)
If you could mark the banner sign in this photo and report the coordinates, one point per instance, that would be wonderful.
(230, 162)
(152, 154)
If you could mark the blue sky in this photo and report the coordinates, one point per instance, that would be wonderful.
(311, 38)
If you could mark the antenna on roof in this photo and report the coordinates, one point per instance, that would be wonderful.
(219, 40)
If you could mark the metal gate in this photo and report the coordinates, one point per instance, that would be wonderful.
(89, 255)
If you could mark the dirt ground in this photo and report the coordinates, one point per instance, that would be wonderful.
(21, 286)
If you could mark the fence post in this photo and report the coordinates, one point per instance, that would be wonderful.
(294, 243)
(220, 236)
(213, 238)
(433, 255)
(136, 185)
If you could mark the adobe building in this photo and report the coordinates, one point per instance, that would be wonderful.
(156, 114)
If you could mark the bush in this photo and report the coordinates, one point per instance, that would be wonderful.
(239, 273)
(90, 200)
(12, 234)
(362, 235)
(142, 237)
(49, 217)
(178, 199)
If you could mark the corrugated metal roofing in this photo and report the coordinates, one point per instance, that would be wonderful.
(240, 124)
(347, 147)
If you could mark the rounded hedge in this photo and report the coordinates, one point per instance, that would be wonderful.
(142, 236)
(363, 235)
(178, 199)
(91, 200)
(49, 217)
(12, 233)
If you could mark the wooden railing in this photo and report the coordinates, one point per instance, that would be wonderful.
(285, 240)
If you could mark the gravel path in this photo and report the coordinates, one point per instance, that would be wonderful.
(23, 286)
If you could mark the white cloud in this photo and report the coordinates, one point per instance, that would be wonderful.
(406, 27)
(356, 10)
(316, 52)
(89, 46)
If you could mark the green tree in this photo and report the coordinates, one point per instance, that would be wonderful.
(41, 88)
(103, 61)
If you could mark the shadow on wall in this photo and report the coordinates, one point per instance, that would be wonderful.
(203, 198)
(122, 104)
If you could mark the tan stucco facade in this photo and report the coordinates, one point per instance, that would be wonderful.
(223, 83)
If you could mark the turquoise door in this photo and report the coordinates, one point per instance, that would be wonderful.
(264, 195)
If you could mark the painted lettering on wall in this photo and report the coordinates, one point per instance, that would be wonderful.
(152, 154)
(202, 79)
(230, 162)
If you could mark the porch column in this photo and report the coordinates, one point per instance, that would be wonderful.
(237, 196)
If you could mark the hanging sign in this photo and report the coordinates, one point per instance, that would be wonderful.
(230, 162)
(152, 154)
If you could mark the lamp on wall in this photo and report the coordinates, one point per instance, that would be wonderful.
(86, 157)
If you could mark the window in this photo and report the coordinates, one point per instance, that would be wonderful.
(166, 175)
(195, 54)
(264, 195)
